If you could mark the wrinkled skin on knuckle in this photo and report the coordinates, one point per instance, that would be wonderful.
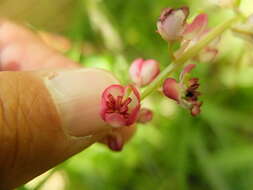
(31, 138)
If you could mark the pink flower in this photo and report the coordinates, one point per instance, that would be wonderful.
(143, 72)
(145, 115)
(193, 33)
(120, 105)
(185, 91)
(171, 23)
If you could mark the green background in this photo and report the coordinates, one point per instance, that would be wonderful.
(175, 151)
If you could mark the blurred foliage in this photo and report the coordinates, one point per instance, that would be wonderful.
(175, 151)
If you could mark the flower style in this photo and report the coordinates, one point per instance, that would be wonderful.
(171, 23)
(143, 72)
(194, 32)
(120, 105)
(145, 115)
(185, 91)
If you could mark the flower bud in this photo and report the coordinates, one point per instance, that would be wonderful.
(171, 23)
(143, 72)
(171, 89)
(145, 115)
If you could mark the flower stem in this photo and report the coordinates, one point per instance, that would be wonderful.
(170, 51)
(193, 51)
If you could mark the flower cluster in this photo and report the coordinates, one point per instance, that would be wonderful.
(121, 105)
(187, 34)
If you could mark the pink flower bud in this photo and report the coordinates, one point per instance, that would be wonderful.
(171, 23)
(143, 72)
(171, 89)
(120, 105)
(145, 115)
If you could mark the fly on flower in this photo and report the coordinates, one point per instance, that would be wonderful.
(185, 92)
(120, 105)
(143, 72)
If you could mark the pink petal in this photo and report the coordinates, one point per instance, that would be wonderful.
(171, 23)
(135, 97)
(115, 120)
(134, 106)
(187, 69)
(133, 115)
(115, 90)
(171, 89)
(145, 115)
(149, 71)
(198, 25)
(135, 70)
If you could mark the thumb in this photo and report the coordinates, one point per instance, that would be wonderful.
(46, 117)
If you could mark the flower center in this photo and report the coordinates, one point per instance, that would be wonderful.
(118, 105)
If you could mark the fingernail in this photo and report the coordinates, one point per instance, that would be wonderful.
(77, 95)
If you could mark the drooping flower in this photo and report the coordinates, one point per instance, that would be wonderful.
(185, 92)
(171, 23)
(143, 72)
(120, 105)
(145, 115)
(193, 33)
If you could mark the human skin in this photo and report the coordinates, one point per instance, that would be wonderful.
(49, 108)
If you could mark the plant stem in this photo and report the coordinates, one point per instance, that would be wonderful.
(193, 51)
(170, 51)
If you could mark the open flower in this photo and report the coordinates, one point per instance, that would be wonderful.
(193, 33)
(171, 23)
(145, 115)
(143, 72)
(120, 105)
(185, 92)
